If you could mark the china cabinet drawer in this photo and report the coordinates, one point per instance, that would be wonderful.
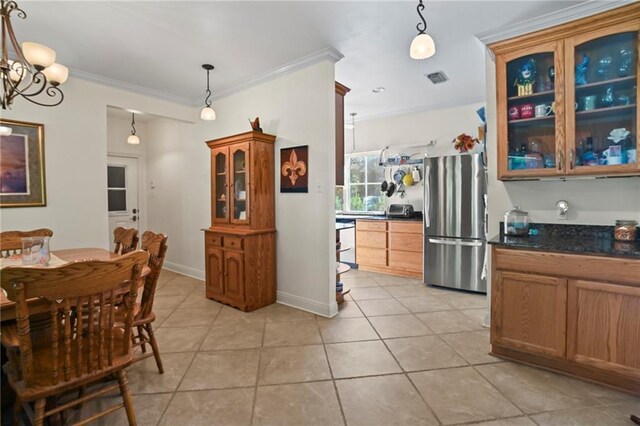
(213, 240)
(235, 243)
(371, 225)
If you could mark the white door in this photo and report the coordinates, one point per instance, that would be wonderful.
(122, 191)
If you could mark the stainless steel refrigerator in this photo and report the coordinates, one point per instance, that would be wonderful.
(454, 214)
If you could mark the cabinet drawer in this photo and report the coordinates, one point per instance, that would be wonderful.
(213, 239)
(371, 256)
(233, 243)
(405, 260)
(371, 225)
(371, 239)
(406, 227)
(405, 242)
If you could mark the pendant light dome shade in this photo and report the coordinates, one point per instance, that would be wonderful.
(422, 47)
(208, 114)
(38, 55)
(56, 74)
(133, 140)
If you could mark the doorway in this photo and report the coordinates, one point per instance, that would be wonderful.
(122, 194)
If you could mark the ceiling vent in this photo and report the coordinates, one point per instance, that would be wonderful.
(437, 77)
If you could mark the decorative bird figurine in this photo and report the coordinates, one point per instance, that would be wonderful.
(581, 71)
(255, 125)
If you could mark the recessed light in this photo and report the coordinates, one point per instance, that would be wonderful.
(378, 89)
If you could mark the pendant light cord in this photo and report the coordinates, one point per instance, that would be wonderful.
(207, 101)
(133, 123)
(420, 8)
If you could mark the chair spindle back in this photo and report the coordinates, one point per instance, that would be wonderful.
(126, 240)
(156, 246)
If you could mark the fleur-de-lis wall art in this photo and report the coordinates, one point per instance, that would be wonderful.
(294, 169)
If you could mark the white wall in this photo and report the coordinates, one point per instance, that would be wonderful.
(299, 109)
(409, 134)
(76, 159)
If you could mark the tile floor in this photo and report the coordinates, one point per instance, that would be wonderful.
(398, 353)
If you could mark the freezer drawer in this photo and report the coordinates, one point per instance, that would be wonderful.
(455, 263)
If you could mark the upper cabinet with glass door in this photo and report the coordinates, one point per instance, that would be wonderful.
(602, 127)
(220, 185)
(240, 174)
(530, 113)
(566, 98)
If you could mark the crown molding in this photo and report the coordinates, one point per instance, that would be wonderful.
(571, 13)
(129, 87)
(417, 110)
(326, 54)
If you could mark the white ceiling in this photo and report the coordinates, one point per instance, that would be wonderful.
(160, 46)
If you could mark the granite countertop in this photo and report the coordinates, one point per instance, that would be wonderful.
(416, 217)
(572, 239)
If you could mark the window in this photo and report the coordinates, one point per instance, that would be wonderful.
(363, 177)
(116, 188)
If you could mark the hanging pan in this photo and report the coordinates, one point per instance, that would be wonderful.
(391, 189)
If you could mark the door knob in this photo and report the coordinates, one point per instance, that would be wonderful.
(134, 218)
(134, 211)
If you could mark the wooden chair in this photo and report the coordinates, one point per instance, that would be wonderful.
(126, 240)
(11, 241)
(156, 246)
(84, 343)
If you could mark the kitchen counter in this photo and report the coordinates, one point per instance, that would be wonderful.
(572, 239)
(416, 217)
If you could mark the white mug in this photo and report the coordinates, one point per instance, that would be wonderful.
(543, 110)
(631, 156)
(613, 154)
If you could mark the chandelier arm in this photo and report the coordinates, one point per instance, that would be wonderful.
(420, 8)
(52, 91)
(11, 7)
(38, 83)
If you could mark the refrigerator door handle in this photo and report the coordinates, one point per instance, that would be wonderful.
(456, 242)
(427, 196)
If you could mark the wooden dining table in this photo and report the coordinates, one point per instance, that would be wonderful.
(36, 305)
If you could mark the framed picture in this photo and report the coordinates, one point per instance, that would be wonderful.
(294, 169)
(22, 179)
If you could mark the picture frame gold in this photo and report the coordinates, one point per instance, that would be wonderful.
(22, 166)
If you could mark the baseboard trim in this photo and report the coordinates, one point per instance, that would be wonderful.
(327, 311)
(184, 270)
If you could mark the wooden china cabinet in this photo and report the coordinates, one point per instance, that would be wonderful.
(567, 99)
(240, 246)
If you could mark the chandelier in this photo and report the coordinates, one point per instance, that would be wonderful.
(34, 71)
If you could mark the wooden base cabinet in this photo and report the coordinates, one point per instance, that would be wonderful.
(577, 314)
(240, 245)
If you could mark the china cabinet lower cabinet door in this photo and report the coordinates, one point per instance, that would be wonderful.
(234, 272)
(529, 313)
(603, 326)
(215, 272)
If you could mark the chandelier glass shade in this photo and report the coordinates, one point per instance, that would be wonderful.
(34, 70)
(207, 112)
(422, 46)
(133, 139)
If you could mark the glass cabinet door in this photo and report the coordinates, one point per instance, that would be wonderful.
(530, 118)
(220, 190)
(603, 91)
(240, 175)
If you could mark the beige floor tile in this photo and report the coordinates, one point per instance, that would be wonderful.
(448, 322)
(399, 326)
(168, 302)
(346, 330)
(473, 346)
(180, 339)
(358, 281)
(231, 315)
(177, 287)
(386, 400)
(356, 359)
(278, 312)
(349, 310)
(411, 290)
(147, 408)
(143, 376)
(381, 307)
(197, 299)
(297, 404)
(222, 369)
(425, 303)
(512, 421)
(424, 353)
(534, 390)
(183, 317)
(161, 316)
(211, 407)
(461, 395)
(478, 315)
(460, 300)
(603, 394)
(289, 334)
(293, 364)
(611, 415)
(369, 293)
(391, 280)
(239, 334)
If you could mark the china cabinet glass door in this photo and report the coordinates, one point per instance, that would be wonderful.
(240, 176)
(602, 86)
(220, 190)
(531, 120)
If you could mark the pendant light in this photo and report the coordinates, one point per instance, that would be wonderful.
(133, 139)
(422, 46)
(207, 112)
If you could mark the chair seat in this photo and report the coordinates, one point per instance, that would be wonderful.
(44, 385)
